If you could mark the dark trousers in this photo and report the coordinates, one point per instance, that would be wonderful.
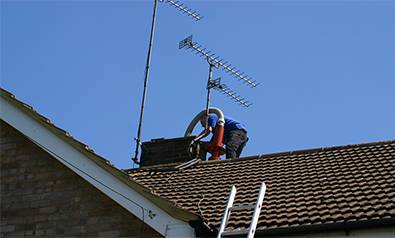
(235, 143)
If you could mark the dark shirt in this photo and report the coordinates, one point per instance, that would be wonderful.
(230, 124)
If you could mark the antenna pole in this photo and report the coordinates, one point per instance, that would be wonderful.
(210, 76)
(151, 41)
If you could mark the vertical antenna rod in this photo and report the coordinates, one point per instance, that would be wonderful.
(151, 40)
(195, 16)
(210, 76)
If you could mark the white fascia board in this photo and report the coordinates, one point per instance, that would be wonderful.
(162, 222)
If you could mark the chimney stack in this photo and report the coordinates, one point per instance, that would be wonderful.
(166, 151)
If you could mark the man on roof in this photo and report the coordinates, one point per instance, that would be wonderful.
(235, 134)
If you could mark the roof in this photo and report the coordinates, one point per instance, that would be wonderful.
(337, 185)
(310, 187)
(164, 204)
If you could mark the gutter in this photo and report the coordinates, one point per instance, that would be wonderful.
(319, 228)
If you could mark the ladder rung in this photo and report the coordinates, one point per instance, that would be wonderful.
(242, 207)
(235, 233)
(250, 232)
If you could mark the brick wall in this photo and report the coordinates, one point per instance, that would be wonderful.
(41, 197)
(165, 151)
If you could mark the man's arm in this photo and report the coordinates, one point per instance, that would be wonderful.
(203, 134)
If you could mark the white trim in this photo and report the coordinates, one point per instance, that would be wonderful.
(179, 231)
(161, 222)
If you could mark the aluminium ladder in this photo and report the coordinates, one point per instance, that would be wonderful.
(229, 207)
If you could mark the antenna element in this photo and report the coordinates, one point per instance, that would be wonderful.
(227, 67)
(224, 89)
(184, 9)
(216, 62)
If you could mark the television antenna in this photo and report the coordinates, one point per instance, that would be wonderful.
(183, 9)
(215, 61)
(224, 89)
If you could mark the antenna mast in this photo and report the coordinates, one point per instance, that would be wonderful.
(184, 9)
(210, 76)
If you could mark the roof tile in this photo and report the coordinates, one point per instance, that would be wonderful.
(318, 186)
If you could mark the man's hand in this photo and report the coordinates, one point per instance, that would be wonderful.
(193, 142)
(204, 133)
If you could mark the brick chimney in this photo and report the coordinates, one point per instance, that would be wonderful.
(165, 151)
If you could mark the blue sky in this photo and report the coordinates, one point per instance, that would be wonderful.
(327, 69)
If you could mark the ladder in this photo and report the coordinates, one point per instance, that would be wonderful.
(254, 221)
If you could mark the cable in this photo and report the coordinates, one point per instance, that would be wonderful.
(186, 190)
(200, 211)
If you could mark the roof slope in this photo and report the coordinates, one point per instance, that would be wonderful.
(309, 187)
(164, 204)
